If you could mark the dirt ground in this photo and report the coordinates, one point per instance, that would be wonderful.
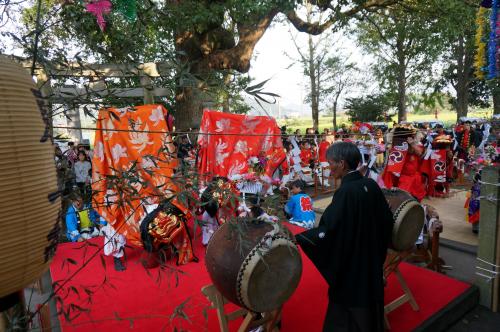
(451, 212)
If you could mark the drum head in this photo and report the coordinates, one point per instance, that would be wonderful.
(267, 279)
(409, 221)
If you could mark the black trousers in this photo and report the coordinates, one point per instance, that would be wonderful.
(340, 318)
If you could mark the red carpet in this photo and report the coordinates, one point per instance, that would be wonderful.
(138, 301)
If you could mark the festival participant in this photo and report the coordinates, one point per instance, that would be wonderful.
(379, 137)
(472, 203)
(298, 137)
(255, 211)
(218, 204)
(63, 169)
(350, 245)
(323, 146)
(299, 209)
(403, 169)
(330, 135)
(114, 245)
(81, 169)
(307, 162)
(286, 165)
(71, 153)
(466, 139)
(81, 148)
(411, 178)
(438, 165)
(209, 225)
(323, 163)
(305, 154)
(81, 221)
(88, 152)
(184, 150)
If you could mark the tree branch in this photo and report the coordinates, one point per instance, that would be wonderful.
(379, 31)
(238, 57)
(317, 28)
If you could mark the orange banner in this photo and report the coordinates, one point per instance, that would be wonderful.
(227, 141)
(130, 167)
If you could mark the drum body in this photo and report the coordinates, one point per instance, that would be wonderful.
(409, 218)
(254, 264)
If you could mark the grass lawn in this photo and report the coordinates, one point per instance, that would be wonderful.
(448, 117)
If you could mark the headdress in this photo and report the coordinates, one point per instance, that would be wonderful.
(442, 142)
(402, 132)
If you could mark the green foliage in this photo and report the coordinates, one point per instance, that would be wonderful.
(406, 42)
(427, 103)
(459, 32)
(368, 108)
(479, 93)
(199, 40)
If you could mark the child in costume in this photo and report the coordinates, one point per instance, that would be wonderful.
(380, 148)
(209, 226)
(299, 209)
(217, 201)
(472, 203)
(82, 222)
(323, 163)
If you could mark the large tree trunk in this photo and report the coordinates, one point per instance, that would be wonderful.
(213, 50)
(401, 80)
(335, 104)
(335, 116)
(462, 104)
(465, 58)
(401, 97)
(496, 100)
(189, 104)
(314, 85)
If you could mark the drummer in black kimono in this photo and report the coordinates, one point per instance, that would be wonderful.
(350, 245)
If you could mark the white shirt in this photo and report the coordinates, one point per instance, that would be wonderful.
(81, 169)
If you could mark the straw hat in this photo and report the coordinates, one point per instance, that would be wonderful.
(28, 220)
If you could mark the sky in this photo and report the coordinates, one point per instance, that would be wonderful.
(271, 62)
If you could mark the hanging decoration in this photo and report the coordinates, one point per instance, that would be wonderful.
(492, 44)
(99, 8)
(480, 41)
(128, 8)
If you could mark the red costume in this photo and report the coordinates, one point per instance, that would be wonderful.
(411, 178)
(306, 156)
(439, 166)
(323, 146)
(403, 169)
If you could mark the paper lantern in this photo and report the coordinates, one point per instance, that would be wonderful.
(28, 220)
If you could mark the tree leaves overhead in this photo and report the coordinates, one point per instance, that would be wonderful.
(205, 40)
(406, 40)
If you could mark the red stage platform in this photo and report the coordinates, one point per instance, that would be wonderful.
(146, 301)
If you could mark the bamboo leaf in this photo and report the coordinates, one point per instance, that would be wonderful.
(103, 261)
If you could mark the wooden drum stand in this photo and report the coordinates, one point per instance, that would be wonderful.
(391, 265)
(267, 320)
